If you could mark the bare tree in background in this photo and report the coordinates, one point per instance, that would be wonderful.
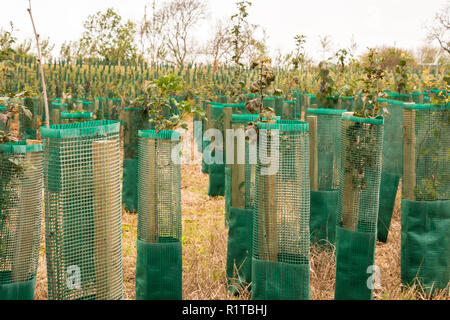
(182, 17)
(326, 44)
(440, 31)
(427, 54)
(151, 34)
(219, 46)
(255, 47)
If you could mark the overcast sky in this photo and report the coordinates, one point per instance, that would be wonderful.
(371, 22)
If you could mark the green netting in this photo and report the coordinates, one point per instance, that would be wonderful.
(205, 166)
(216, 172)
(323, 216)
(198, 124)
(158, 271)
(392, 166)
(278, 106)
(228, 181)
(289, 111)
(426, 193)
(113, 108)
(425, 244)
(2, 124)
(399, 96)
(73, 117)
(215, 150)
(355, 253)
(239, 250)
(281, 238)
(420, 97)
(240, 196)
(357, 206)
(20, 218)
(426, 160)
(83, 213)
(158, 268)
(28, 126)
(133, 120)
(55, 111)
(325, 170)
(298, 98)
(388, 193)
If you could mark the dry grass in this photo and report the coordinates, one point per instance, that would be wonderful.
(205, 248)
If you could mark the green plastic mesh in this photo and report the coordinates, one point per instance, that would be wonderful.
(246, 173)
(357, 205)
(83, 211)
(426, 159)
(298, 98)
(28, 126)
(99, 109)
(159, 188)
(55, 111)
(216, 150)
(420, 97)
(425, 246)
(240, 211)
(329, 130)
(392, 167)
(425, 243)
(158, 268)
(20, 218)
(133, 120)
(281, 238)
(73, 117)
(361, 173)
(198, 123)
(2, 124)
(325, 170)
(112, 109)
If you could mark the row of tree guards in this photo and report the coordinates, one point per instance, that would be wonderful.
(354, 169)
(335, 179)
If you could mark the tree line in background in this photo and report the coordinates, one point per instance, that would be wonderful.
(166, 34)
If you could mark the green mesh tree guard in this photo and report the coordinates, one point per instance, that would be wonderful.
(2, 124)
(239, 196)
(325, 130)
(55, 111)
(399, 96)
(357, 206)
(20, 218)
(199, 123)
(99, 111)
(158, 267)
(83, 213)
(281, 241)
(113, 109)
(289, 111)
(74, 117)
(28, 126)
(392, 166)
(133, 120)
(215, 151)
(425, 244)
(298, 98)
(420, 97)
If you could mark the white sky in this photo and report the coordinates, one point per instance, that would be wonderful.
(371, 22)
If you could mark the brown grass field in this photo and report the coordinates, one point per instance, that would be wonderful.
(205, 248)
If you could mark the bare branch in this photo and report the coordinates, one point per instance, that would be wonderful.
(41, 68)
